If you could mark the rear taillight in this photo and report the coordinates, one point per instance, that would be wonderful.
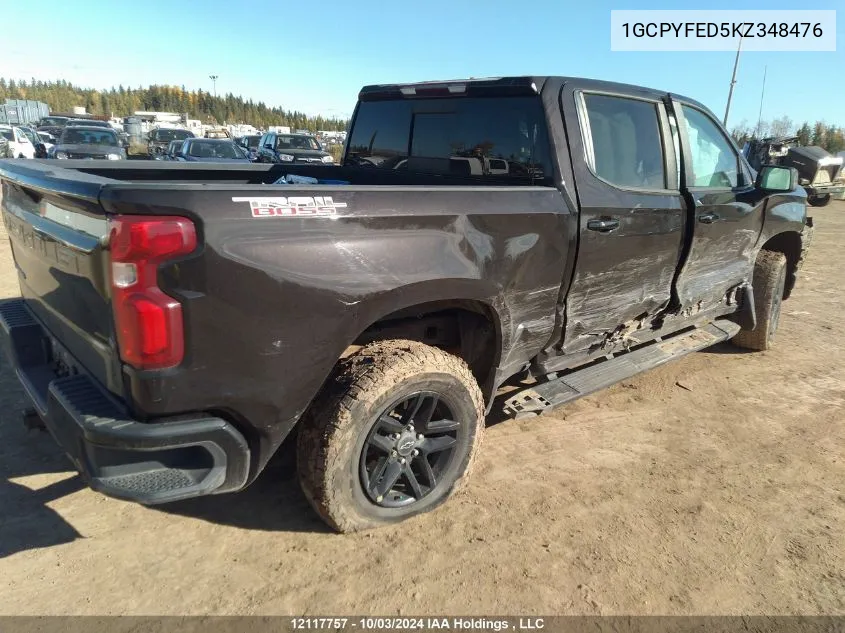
(148, 322)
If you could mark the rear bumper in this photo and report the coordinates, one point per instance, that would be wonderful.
(147, 462)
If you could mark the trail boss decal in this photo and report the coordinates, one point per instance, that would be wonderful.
(294, 206)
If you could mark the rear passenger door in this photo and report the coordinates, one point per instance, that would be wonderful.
(727, 211)
(632, 216)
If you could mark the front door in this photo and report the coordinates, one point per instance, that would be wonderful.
(727, 212)
(632, 216)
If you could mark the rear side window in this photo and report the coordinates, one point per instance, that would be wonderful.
(502, 137)
(624, 145)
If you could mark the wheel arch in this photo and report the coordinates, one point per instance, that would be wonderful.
(788, 243)
(470, 328)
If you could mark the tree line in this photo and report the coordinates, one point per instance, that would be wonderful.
(830, 137)
(122, 101)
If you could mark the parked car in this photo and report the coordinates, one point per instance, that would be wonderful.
(19, 145)
(41, 148)
(211, 150)
(53, 125)
(249, 144)
(159, 139)
(291, 148)
(820, 173)
(49, 141)
(173, 150)
(90, 142)
(379, 320)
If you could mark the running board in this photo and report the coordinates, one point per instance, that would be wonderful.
(605, 373)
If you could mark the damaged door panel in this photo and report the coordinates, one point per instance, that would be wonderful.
(726, 217)
(632, 216)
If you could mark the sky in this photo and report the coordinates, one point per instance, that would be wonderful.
(314, 56)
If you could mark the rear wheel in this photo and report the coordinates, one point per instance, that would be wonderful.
(818, 201)
(391, 436)
(769, 283)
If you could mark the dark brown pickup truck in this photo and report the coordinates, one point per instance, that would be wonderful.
(179, 321)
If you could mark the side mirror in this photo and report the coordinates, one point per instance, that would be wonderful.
(776, 178)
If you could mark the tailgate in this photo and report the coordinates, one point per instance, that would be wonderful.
(56, 227)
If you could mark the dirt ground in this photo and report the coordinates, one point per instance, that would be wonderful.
(714, 485)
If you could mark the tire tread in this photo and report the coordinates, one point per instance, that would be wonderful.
(328, 425)
(768, 270)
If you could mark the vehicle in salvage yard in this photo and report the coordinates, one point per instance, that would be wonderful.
(159, 139)
(173, 150)
(18, 144)
(177, 322)
(38, 143)
(249, 143)
(819, 172)
(211, 150)
(54, 125)
(291, 148)
(88, 142)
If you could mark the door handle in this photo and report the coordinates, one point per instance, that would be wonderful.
(708, 218)
(603, 226)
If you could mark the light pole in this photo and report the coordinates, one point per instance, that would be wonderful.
(762, 94)
(733, 81)
(214, 83)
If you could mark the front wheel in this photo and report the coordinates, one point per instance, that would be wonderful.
(819, 201)
(769, 282)
(392, 435)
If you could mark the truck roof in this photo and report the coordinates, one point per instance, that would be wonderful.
(504, 86)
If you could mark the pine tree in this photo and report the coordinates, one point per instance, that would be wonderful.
(819, 133)
(804, 134)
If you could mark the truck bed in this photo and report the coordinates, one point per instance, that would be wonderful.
(238, 173)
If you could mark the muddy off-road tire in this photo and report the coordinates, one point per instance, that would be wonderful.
(768, 284)
(818, 201)
(392, 434)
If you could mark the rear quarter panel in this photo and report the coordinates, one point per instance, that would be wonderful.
(271, 303)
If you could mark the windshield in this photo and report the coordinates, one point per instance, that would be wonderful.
(252, 141)
(75, 135)
(296, 142)
(53, 120)
(6, 133)
(214, 149)
(166, 135)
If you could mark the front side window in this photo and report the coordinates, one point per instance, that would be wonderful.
(502, 137)
(713, 159)
(627, 150)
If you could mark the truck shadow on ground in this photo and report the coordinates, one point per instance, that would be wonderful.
(724, 348)
(26, 521)
(273, 503)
